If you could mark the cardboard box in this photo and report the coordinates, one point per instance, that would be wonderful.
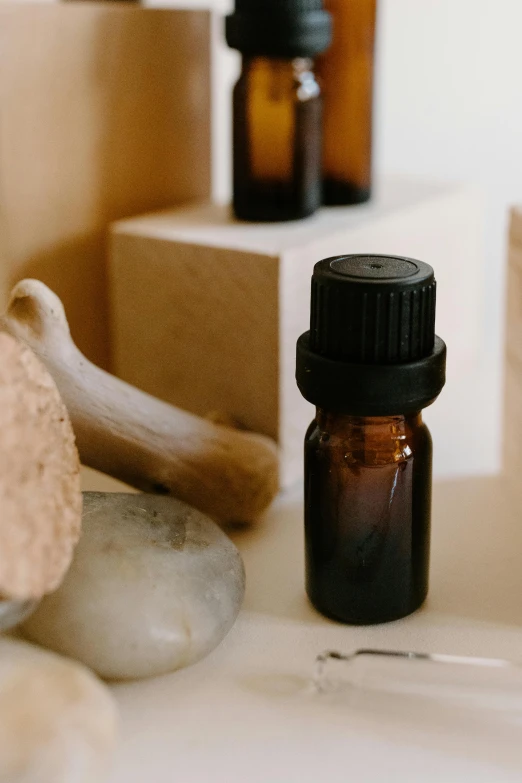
(206, 311)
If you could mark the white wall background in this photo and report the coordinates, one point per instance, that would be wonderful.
(448, 107)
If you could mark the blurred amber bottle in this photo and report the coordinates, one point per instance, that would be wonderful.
(346, 73)
(277, 108)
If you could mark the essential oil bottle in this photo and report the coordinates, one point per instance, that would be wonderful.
(277, 108)
(346, 72)
(370, 363)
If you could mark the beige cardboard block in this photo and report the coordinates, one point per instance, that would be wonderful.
(515, 228)
(105, 113)
(514, 303)
(513, 370)
(514, 289)
(206, 311)
(513, 424)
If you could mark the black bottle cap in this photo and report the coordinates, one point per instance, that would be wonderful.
(279, 28)
(371, 348)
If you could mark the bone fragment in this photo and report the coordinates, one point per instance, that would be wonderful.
(132, 436)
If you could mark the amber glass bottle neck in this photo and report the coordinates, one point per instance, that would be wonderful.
(292, 66)
(345, 423)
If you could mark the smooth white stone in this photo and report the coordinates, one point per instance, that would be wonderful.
(154, 586)
(58, 722)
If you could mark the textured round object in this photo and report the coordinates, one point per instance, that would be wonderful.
(40, 496)
(154, 586)
(377, 267)
(58, 723)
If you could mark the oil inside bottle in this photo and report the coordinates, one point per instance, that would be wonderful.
(277, 140)
(367, 515)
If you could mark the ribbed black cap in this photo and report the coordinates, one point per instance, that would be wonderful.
(373, 309)
(372, 348)
(279, 28)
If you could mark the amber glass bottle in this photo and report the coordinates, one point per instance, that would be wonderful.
(346, 72)
(370, 476)
(277, 108)
(370, 363)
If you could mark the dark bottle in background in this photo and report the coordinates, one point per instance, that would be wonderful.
(277, 108)
(370, 363)
(346, 75)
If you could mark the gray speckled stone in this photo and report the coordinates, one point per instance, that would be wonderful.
(154, 586)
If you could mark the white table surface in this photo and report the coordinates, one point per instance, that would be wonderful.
(247, 713)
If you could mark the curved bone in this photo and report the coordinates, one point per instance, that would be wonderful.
(122, 431)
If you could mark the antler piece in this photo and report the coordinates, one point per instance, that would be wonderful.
(128, 434)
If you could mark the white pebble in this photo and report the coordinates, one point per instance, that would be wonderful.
(154, 586)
